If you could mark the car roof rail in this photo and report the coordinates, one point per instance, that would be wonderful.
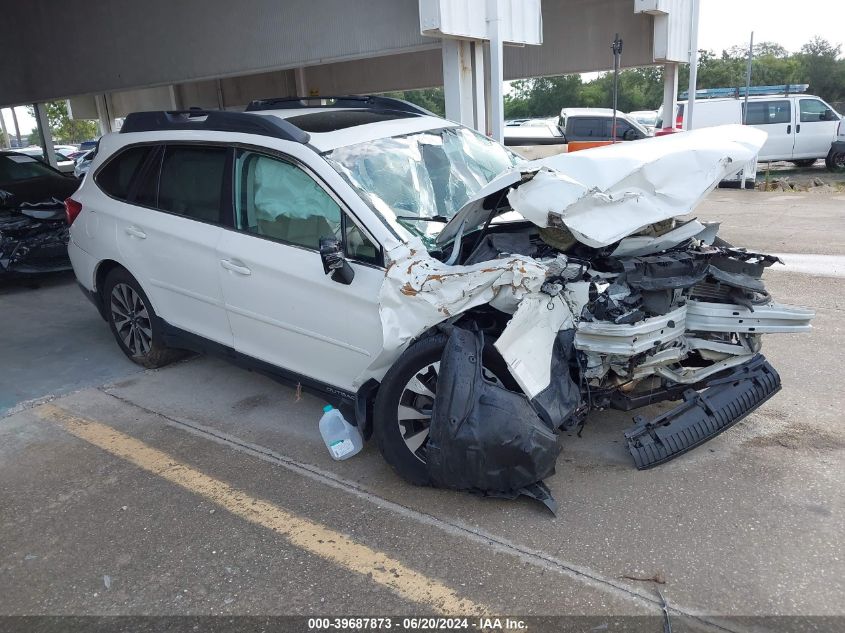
(213, 120)
(373, 102)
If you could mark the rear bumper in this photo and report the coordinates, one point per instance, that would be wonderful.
(84, 265)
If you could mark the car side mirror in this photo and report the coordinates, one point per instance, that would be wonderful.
(334, 262)
(630, 135)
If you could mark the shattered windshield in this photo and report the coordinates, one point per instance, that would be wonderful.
(421, 180)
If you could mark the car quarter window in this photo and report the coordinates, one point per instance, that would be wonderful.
(192, 181)
(115, 178)
(768, 112)
(815, 110)
(277, 199)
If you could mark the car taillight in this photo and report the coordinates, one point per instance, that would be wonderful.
(72, 210)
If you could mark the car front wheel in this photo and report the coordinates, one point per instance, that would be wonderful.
(835, 161)
(405, 400)
(133, 321)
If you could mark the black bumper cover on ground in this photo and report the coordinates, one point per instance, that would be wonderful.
(703, 414)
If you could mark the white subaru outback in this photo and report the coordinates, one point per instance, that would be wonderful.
(340, 244)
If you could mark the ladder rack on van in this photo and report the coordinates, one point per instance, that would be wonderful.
(753, 91)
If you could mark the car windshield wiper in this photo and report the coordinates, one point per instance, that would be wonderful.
(434, 218)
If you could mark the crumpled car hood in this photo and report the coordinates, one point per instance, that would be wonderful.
(605, 194)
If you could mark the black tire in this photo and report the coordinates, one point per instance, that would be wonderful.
(804, 162)
(154, 353)
(835, 161)
(386, 415)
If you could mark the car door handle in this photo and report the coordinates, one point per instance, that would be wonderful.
(797, 128)
(134, 231)
(235, 267)
(789, 129)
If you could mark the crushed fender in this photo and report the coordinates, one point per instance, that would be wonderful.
(483, 437)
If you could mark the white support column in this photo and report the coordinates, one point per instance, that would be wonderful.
(670, 94)
(457, 80)
(46, 134)
(301, 82)
(693, 65)
(174, 98)
(497, 71)
(478, 90)
(6, 142)
(103, 114)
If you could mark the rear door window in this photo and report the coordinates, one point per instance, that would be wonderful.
(117, 176)
(192, 182)
(768, 112)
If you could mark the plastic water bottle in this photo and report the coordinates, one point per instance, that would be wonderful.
(342, 439)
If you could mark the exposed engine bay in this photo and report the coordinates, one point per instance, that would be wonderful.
(656, 306)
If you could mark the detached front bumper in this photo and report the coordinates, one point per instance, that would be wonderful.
(724, 401)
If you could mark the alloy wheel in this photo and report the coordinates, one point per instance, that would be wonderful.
(131, 319)
(416, 404)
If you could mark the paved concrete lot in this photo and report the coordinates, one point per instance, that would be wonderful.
(205, 489)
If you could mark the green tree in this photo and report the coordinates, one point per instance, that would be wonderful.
(34, 137)
(822, 69)
(63, 128)
(431, 99)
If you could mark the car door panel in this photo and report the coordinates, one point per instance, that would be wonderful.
(170, 240)
(176, 264)
(289, 313)
(814, 132)
(777, 118)
(285, 310)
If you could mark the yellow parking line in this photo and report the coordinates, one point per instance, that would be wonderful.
(304, 533)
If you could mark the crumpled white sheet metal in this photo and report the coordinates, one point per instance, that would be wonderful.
(647, 244)
(420, 291)
(528, 341)
(605, 194)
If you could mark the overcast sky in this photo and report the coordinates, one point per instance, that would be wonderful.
(723, 23)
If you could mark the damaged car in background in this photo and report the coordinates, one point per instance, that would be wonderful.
(33, 226)
(463, 305)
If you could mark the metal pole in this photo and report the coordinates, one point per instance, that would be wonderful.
(617, 55)
(46, 134)
(693, 65)
(748, 78)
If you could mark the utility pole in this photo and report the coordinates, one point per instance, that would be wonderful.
(748, 78)
(693, 65)
(617, 58)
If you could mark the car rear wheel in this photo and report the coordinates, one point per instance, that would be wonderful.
(835, 161)
(133, 321)
(405, 400)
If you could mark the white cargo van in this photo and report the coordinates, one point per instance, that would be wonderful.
(801, 127)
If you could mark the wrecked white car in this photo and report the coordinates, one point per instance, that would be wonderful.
(459, 303)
